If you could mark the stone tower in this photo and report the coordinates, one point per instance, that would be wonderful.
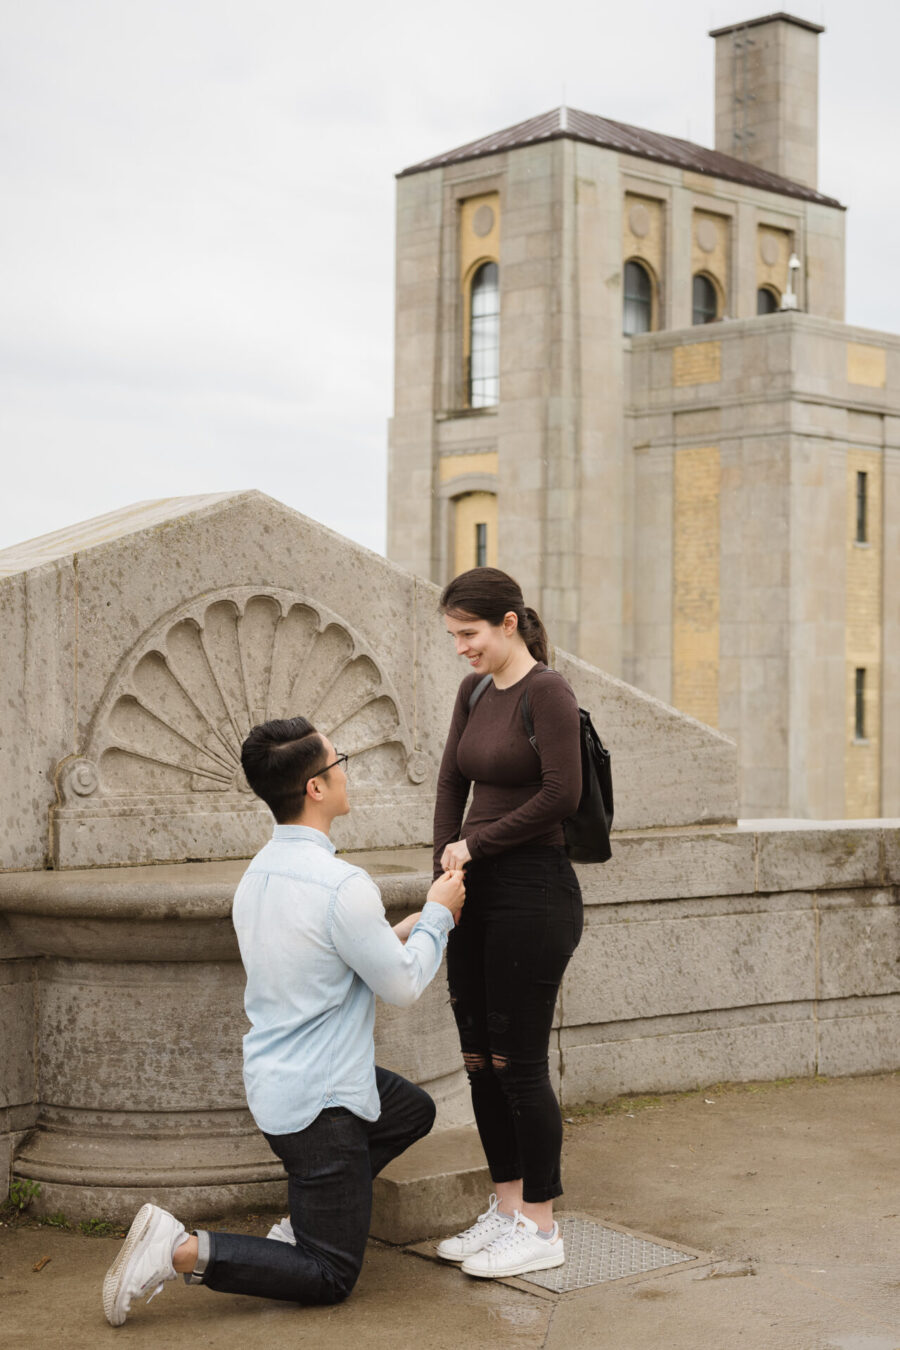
(767, 88)
(622, 372)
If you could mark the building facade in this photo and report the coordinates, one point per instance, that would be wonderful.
(623, 375)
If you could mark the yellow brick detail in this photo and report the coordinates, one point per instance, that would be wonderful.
(453, 466)
(470, 510)
(697, 363)
(695, 584)
(862, 760)
(866, 365)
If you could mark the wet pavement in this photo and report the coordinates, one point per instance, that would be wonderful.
(791, 1191)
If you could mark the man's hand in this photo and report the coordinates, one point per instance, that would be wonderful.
(455, 855)
(405, 926)
(449, 891)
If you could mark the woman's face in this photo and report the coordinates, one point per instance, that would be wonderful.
(486, 646)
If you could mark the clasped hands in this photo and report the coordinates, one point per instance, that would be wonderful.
(447, 890)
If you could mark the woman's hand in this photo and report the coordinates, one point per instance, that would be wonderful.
(455, 855)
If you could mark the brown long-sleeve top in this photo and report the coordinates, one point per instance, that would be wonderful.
(518, 797)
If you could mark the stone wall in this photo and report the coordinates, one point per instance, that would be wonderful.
(138, 650)
(18, 1087)
(708, 954)
(753, 953)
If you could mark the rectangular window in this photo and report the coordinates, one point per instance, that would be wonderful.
(481, 544)
(862, 504)
(860, 694)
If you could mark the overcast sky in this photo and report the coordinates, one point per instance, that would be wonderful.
(196, 236)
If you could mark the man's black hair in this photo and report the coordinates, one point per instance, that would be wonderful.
(279, 758)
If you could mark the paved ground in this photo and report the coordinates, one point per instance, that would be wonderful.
(794, 1188)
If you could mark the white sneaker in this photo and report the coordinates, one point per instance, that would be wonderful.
(282, 1232)
(487, 1226)
(517, 1251)
(143, 1264)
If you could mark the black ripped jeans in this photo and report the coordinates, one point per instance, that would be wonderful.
(521, 923)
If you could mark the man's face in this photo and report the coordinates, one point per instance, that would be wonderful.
(333, 784)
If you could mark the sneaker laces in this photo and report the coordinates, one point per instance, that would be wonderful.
(489, 1213)
(516, 1235)
(147, 1297)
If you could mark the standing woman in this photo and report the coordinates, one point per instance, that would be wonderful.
(523, 917)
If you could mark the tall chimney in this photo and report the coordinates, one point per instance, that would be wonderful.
(767, 94)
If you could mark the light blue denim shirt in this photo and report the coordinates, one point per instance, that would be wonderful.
(317, 948)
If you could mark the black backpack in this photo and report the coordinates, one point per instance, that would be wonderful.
(587, 831)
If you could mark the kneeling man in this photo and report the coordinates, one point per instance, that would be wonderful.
(316, 948)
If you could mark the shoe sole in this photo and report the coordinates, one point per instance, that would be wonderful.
(523, 1268)
(110, 1284)
(444, 1256)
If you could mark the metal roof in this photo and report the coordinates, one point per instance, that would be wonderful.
(571, 124)
(767, 18)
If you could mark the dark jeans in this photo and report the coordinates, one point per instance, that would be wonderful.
(330, 1166)
(505, 959)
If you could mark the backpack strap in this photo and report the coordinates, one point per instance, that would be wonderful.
(478, 691)
(529, 725)
(526, 717)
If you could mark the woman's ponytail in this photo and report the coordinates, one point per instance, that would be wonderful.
(534, 634)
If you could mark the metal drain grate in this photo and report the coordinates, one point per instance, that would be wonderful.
(595, 1254)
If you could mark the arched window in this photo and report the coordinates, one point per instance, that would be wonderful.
(706, 301)
(638, 306)
(766, 301)
(484, 337)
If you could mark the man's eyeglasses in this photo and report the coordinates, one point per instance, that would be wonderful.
(343, 760)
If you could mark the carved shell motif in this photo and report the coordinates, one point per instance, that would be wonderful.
(174, 718)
